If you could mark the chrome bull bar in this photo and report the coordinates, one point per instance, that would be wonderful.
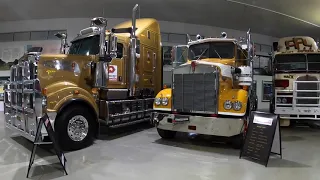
(23, 100)
(294, 109)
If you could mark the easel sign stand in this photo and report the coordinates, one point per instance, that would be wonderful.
(262, 138)
(38, 141)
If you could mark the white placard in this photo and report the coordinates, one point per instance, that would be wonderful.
(113, 73)
(262, 120)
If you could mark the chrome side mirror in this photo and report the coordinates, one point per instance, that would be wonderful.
(31, 58)
(111, 46)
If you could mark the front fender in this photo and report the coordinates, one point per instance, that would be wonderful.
(62, 92)
(164, 93)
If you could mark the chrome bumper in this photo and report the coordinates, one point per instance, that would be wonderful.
(215, 126)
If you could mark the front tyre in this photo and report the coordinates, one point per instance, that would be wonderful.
(237, 141)
(166, 134)
(75, 128)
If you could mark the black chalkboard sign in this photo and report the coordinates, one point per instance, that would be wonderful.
(262, 137)
(37, 141)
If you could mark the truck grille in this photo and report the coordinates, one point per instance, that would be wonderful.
(308, 86)
(22, 98)
(196, 93)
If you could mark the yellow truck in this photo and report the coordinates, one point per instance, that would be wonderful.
(211, 93)
(109, 76)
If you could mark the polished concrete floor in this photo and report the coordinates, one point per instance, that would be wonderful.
(142, 155)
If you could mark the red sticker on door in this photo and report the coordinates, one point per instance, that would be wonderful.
(113, 73)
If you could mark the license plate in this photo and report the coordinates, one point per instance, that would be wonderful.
(181, 119)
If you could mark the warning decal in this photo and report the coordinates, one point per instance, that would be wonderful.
(113, 73)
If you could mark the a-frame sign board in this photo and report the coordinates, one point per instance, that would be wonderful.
(37, 141)
(262, 138)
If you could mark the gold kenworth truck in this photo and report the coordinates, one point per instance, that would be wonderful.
(108, 76)
(211, 94)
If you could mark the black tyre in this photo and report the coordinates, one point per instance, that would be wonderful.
(314, 125)
(166, 134)
(237, 141)
(75, 128)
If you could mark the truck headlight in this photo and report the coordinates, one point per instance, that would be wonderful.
(157, 101)
(237, 105)
(165, 101)
(278, 100)
(227, 105)
(44, 101)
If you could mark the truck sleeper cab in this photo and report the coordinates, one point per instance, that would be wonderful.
(101, 80)
(210, 93)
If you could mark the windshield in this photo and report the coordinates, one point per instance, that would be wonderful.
(297, 62)
(90, 46)
(222, 50)
(86, 46)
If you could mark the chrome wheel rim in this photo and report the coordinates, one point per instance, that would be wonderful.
(78, 128)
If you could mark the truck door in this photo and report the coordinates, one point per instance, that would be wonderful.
(148, 67)
(117, 68)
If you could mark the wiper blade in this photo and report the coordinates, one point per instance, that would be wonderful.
(202, 54)
(217, 53)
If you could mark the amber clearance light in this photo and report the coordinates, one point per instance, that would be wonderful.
(44, 91)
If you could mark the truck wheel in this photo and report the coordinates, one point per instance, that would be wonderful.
(75, 128)
(237, 141)
(166, 134)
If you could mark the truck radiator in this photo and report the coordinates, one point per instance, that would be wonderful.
(307, 90)
(196, 93)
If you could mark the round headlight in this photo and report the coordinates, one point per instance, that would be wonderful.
(165, 101)
(237, 105)
(157, 101)
(278, 100)
(227, 105)
(284, 100)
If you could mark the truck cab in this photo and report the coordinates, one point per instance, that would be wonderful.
(109, 76)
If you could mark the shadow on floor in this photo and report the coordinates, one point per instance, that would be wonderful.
(200, 143)
(17, 149)
(111, 134)
(292, 138)
(283, 163)
(47, 171)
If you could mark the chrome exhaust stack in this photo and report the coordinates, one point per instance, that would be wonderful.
(133, 56)
(107, 51)
(250, 51)
(133, 51)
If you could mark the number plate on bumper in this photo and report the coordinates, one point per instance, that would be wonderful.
(180, 119)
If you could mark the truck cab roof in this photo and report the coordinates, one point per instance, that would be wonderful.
(141, 24)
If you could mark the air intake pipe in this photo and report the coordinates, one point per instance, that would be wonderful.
(107, 52)
(64, 44)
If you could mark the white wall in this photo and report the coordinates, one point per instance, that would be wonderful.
(74, 25)
(262, 106)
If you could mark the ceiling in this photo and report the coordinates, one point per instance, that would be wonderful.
(276, 18)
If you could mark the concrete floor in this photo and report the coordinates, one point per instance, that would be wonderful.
(142, 155)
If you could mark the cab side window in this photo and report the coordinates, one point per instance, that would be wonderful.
(119, 50)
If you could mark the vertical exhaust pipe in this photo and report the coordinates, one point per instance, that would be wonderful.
(133, 58)
(250, 53)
